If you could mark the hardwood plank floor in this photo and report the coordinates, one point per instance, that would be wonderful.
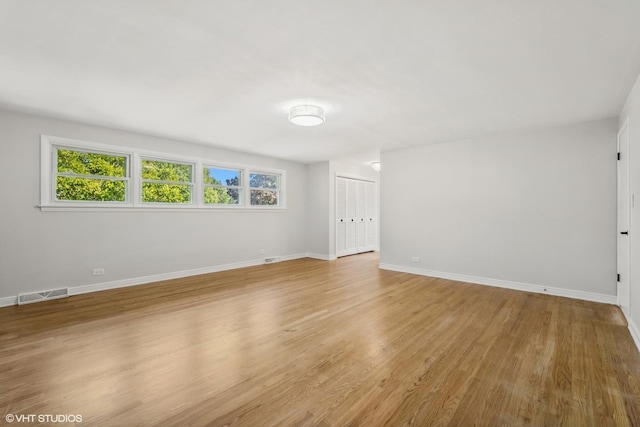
(311, 342)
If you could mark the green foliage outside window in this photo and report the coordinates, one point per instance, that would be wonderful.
(264, 189)
(214, 191)
(79, 176)
(169, 191)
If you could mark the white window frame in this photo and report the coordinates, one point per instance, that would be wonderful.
(142, 181)
(263, 171)
(55, 174)
(49, 172)
(133, 188)
(241, 188)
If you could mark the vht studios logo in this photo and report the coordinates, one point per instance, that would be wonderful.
(43, 418)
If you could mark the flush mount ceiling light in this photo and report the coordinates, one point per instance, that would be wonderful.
(375, 166)
(306, 115)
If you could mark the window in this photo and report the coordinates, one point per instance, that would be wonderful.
(86, 176)
(265, 188)
(166, 182)
(222, 186)
(81, 175)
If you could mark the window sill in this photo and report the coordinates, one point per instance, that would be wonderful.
(218, 209)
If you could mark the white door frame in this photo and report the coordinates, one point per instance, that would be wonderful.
(623, 257)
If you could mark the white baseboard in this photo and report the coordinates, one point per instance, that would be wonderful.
(607, 299)
(569, 293)
(635, 332)
(319, 256)
(174, 275)
(78, 290)
(294, 256)
(7, 301)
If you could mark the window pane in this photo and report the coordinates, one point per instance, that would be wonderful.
(96, 190)
(215, 181)
(263, 180)
(166, 193)
(264, 197)
(81, 163)
(218, 176)
(166, 171)
(221, 196)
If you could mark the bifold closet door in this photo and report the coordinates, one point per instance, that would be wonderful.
(355, 221)
(369, 217)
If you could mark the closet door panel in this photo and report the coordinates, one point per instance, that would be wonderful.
(361, 206)
(369, 217)
(341, 217)
(351, 232)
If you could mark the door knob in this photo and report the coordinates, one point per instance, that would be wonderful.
(625, 233)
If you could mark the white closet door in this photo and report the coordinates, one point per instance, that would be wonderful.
(361, 206)
(352, 242)
(369, 217)
(341, 217)
(355, 216)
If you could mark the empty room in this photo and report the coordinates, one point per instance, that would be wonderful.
(252, 213)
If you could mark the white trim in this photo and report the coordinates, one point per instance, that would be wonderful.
(290, 257)
(635, 332)
(174, 275)
(527, 287)
(7, 301)
(85, 289)
(160, 208)
(354, 177)
(319, 256)
(79, 290)
(627, 273)
(45, 170)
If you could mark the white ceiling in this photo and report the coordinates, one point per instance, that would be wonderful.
(389, 74)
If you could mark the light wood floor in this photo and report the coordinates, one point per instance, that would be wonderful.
(311, 342)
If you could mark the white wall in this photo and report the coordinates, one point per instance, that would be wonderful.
(319, 183)
(45, 250)
(531, 210)
(631, 111)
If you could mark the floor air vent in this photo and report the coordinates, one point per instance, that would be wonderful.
(42, 296)
(271, 260)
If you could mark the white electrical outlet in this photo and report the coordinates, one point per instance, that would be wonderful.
(415, 259)
(98, 271)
